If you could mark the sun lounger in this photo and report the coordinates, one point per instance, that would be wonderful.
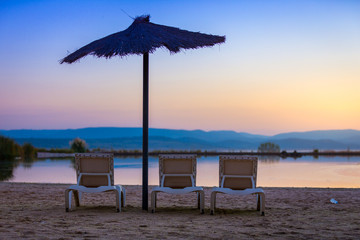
(237, 176)
(95, 174)
(177, 175)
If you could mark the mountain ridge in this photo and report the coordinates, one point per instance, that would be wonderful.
(131, 138)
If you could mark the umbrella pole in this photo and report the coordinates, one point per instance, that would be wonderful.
(145, 130)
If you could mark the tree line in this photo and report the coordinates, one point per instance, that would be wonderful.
(9, 149)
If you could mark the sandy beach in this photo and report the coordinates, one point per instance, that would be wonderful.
(36, 211)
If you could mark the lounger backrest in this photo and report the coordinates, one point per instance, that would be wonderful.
(177, 171)
(237, 172)
(94, 163)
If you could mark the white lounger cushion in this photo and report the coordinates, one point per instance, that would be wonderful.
(237, 192)
(177, 190)
(97, 189)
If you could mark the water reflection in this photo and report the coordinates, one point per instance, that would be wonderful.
(28, 162)
(7, 167)
(269, 159)
(273, 171)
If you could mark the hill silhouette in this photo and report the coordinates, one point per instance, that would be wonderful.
(166, 139)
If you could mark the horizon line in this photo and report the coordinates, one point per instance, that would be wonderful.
(269, 135)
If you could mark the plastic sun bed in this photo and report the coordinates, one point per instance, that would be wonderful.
(237, 176)
(177, 175)
(95, 174)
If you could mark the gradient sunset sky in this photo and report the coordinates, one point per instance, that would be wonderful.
(285, 66)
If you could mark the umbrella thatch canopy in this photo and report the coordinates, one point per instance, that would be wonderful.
(142, 38)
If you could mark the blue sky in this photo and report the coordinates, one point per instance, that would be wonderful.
(285, 66)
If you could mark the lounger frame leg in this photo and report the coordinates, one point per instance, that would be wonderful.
(261, 200)
(202, 201)
(119, 198)
(156, 193)
(77, 199)
(153, 201)
(213, 203)
(118, 206)
(123, 197)
(198, 199)
(68, 200)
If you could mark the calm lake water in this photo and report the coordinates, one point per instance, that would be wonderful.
(302, 172)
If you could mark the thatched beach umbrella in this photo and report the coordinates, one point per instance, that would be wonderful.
(142, 38)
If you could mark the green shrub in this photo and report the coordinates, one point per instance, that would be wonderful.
(28, 150)
(78, 145)
(9, 148)
(269, 147)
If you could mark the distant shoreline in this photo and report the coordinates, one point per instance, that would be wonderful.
(282, 154)
(172, 139)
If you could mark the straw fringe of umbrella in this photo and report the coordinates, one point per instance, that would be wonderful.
(142, 37)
